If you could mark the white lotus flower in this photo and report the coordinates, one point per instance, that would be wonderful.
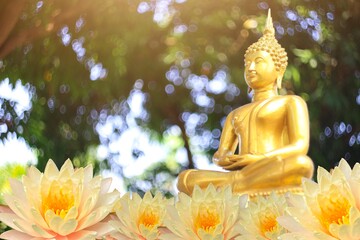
(138, 218)
(208, 214)
(329, 208)
(58, 205)
(259, 219)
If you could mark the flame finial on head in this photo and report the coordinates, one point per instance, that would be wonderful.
(269, 27)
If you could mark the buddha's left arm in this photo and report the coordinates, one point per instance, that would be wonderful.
(297, 121)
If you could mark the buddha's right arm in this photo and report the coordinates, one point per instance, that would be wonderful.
(228, 143)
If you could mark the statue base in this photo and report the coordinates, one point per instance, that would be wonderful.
(280, 190)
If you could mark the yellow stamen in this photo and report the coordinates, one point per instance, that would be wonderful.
(207, 219)
(149, 218)
(268, 222)
(335, 208)
(59, 200)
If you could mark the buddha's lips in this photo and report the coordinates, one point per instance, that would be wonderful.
(251, 75)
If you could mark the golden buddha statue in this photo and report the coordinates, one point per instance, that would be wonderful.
(271, 132)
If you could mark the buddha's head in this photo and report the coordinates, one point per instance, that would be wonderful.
(268, 48)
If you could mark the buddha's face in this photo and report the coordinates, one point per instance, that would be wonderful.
(260, 70)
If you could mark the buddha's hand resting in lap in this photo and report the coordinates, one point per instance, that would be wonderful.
(236, 162)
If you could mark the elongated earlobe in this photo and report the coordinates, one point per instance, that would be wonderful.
(278, 82)
(249, 90)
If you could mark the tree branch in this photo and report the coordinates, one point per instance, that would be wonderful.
(172, 113)
(9, 16)
(28, 35)
(186, 144)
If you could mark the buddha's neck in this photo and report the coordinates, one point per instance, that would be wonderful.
(264, 93)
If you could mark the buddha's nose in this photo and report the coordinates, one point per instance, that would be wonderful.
(252, 66)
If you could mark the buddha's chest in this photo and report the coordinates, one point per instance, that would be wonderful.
(268, 116)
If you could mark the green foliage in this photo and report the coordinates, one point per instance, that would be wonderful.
(6, 172)
(89, 158)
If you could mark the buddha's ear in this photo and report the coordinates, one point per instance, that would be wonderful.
(279, 79)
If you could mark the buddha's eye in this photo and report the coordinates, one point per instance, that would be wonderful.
(259, 60)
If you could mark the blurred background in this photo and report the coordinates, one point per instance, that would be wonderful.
(141, 88)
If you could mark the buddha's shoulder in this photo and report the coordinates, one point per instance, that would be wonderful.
(290, 99)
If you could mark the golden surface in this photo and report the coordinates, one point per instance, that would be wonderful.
(271, 132)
